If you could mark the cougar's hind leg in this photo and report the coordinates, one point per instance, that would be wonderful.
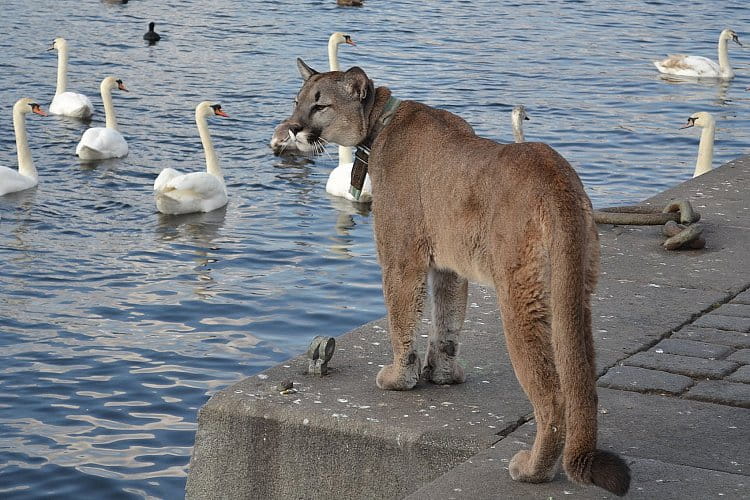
(524, 307)
(448, 297)
(403, 290)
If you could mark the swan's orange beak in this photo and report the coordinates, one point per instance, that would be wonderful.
(219, 112)
(348, 39)
(35, 108)
(121, 86)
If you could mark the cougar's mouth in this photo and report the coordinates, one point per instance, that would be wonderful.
(309, 141)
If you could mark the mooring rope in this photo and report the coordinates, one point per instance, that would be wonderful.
(679, 218)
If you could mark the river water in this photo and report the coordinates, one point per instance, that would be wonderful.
(118, 323)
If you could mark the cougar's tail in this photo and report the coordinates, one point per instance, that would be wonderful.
(571, 260)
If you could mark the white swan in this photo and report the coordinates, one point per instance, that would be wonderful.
(25, 177)
(178, 193)
(340, 178)
(99, 143)
(706, 145)
(67, 103)
(517, 116)
(702, 67)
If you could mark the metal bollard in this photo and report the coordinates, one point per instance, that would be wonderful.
(320, 353)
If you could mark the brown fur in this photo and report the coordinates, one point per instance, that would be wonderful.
(450, 206)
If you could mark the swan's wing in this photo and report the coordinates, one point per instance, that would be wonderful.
(11, 181)
(683, 65)
(200, 184)
(339, 180)
(71, 104)
(194, 192)
(166, 175)
(104, 142)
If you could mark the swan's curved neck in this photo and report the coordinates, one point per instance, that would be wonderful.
(725, 68)
(62, 69)
(518, 129)
(109, 109)
(212, 163)
(25, 163)
(705, 150)
(333, 55)
(345, 153)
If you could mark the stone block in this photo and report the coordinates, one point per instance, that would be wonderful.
(733, 323)
(733, 309)
(632, 378)
(665, 428)
(742, 356)
(721, 392)
(742, 298)
(684, 365)
(742, 374)
(684, 347)
(738, 340)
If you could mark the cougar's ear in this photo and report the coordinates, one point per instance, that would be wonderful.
(305, 70)
(356, 82)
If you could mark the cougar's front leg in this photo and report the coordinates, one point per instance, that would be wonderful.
(403, 289)
(449, 294)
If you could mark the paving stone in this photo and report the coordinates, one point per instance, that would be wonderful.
(741, 375)
(684, 365)
(741, 356)
(733, 309)
(722, 392)
(666, 428)
(738, 340)
(632, 378)
(693, 348)
(743, 298)
(733, 323)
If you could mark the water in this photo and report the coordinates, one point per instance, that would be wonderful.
(117, 323)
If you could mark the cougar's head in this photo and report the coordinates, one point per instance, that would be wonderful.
(330, 107)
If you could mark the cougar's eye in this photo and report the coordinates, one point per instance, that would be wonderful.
(319, 107)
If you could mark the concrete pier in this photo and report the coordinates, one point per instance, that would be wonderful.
(672, 332)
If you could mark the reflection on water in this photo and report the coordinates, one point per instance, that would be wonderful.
(117, 323)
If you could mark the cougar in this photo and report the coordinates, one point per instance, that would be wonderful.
(450, 206)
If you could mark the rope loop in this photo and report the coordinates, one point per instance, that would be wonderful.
(678, 217)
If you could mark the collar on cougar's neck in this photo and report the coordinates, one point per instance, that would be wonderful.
(362, 155)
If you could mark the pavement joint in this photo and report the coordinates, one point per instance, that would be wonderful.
(695, 368)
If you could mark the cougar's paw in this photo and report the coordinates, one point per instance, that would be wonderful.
(400, 377)
(442, 367)
(521, 469)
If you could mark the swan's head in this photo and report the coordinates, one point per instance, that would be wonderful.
(151, 26)
(208, 108)
(111, 82)
(519, 114)
(58, 44)
(337, 38)
(700, 119)
(28, 105)
(728, 34)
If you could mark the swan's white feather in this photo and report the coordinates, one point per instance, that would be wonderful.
(684, 65)
(178, 193)
(11, 181)
(71, 104)
(98, 143)
(340, 180)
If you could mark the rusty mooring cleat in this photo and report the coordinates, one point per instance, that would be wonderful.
(320, 353)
